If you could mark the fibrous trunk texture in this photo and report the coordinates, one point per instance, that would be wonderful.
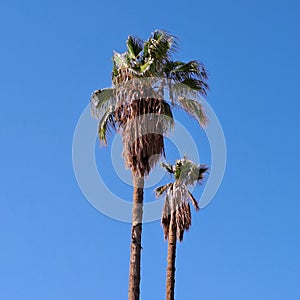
(136, 236)
(143, 124)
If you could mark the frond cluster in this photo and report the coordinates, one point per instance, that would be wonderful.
(136, 105)
(176, 206)
(176, 210)
(186, 171)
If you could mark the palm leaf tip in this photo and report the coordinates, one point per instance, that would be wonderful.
(168, 167)
(94, 98)
(193, 108)
(202, 170)
(101, 100)
(204, 73)
(106, 125)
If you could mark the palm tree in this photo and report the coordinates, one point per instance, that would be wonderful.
(135, 107)
(176, 215)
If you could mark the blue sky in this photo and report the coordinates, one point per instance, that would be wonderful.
(54, 245)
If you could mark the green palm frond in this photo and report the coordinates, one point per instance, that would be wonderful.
(171, 66)
(169, 40)
(159, 48)
(196, 85)
(101, 100)
(106, 124)
(120, 60)
(134, 47)
(186, 171)
(114, 71)
(192, 74)
(146, 66)
(193, 108)
(178, 70)
(177, 169)
(191, 67)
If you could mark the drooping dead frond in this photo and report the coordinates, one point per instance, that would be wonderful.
(144, 124)
(183, 219)
(194, 201)
(193, 108)
(166, 214)
(178, 209)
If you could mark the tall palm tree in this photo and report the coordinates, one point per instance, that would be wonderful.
(135, 106)
(176, 215)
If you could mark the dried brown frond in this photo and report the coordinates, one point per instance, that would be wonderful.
(182, 219)
(194, 201)
(177, 210)
(166, 217)
(143, 124)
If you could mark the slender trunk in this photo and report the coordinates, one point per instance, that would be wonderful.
(170, 285)
(136, 237)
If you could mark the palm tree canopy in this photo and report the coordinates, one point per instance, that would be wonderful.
(177, 195)
(140, 77)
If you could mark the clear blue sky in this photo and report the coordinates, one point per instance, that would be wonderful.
(55, 245)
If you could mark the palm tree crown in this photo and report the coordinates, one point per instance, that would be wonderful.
(140, 77)
(177, 199)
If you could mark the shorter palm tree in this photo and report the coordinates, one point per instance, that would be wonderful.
(176, 215)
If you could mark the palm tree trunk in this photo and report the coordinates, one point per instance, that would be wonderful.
(136, 237)
(170, 285)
